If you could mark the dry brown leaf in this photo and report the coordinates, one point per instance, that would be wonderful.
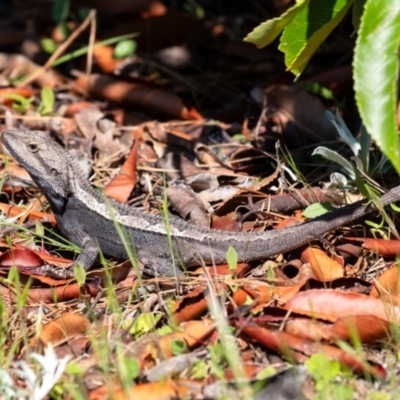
(63, 328)
(383, 247)
(325, 267)
(387, 283)
(121, 186)
(135, 94)
(331, 305)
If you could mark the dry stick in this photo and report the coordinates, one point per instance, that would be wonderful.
(60, 50)
(92, 38)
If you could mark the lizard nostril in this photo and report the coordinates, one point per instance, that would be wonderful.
(53, 172)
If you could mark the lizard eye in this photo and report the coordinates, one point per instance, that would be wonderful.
(33, 147)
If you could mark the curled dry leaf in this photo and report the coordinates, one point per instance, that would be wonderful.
(331, 304)
(189, 205)
(121, 186)
(383, 247)
(298, 116)
(22, 258)
(387, 284)
(192, 333)
(135, 95)
(63, 328)
(325, 268)
(68, 291)
(298, 349)
(163, 390)
(368, 329)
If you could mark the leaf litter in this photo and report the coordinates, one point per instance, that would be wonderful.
(203, 131)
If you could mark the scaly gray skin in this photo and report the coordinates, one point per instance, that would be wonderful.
(88, 219)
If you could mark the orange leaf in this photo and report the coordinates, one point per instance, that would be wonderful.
(331, 304)
(121, 186)
(63, 328)
(135, 94)
(383, 247)
(387, 283)
(325, 268)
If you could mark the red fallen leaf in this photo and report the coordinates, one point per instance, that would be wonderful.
(300, 349)
(387, 283)
(383, 247)
(331, 304)
(63, 328)
(152, 347)
(135, 94)
(121, 186)
(265, 294)
(64, 293)
(223, 269)
(192, 305)
(291, 221)
(325, 267)
(163, 390)
(22, 258)
(368, 329)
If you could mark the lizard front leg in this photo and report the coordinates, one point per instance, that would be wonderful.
(86, 258)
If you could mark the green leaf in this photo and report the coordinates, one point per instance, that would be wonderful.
(83, 50)
(199, 370)
(268, 31)
(48, 45)
(132, 367)
(376, 69)
(144, 323)
(21, 103)
(79, 274)
(335, 157)
(317, 209)
(178, 347)
(124, 48)
(47, 100)
(308, 29)
(231, 258)
(60, 10)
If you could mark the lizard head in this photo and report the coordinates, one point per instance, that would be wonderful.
(49, 164)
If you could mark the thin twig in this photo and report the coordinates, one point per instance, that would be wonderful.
(60, 50)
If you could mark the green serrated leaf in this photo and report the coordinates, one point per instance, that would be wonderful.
(124, 48)
(80, 274)
(268, 31)
(317, 209)
(376, 72)
(308, 29)
(231, 258)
